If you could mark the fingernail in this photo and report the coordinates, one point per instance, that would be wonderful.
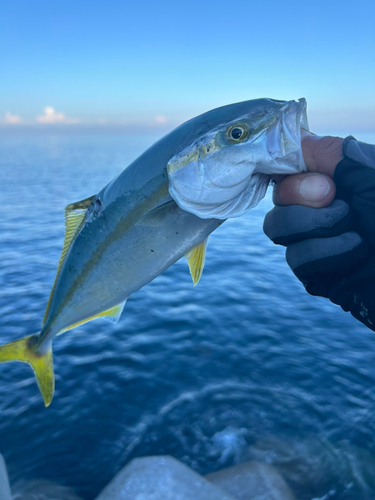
(314, 188)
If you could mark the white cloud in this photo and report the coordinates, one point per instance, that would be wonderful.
(51, 116)
(12, 119)
(160, 119)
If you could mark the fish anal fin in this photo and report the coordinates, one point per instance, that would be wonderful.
(74, 217)
(25, 350)
(113, 314)
(196, 258)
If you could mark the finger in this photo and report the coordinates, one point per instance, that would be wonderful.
(309, 189)
(315, 255)
(319, 263)
(321, 154)
(292, 223)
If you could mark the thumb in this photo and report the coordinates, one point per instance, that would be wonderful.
(310, 189)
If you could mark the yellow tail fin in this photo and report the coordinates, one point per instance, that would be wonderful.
(24, 350)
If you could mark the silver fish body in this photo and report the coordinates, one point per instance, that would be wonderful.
(117, 253)
(161, 207)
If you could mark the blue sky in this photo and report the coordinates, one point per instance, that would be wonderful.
(159, 63)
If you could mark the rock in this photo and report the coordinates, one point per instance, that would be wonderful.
(315, 467)
(43, 490)
(252, 481)
(160, 478)
(4, 482)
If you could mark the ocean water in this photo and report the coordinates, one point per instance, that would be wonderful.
(244, 366)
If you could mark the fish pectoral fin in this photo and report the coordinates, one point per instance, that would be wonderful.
(113, 314)
(74, 217)
(25, 350)
(196, 258)
(164, 213)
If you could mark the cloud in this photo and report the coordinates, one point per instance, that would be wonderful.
(160, 119)
(51, 116)
(12, 119)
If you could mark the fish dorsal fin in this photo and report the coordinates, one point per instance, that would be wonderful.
(74, 216)
(112, 315)
(196, 258)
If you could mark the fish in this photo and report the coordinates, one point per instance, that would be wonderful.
(161, 207)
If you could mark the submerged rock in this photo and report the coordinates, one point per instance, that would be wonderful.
(34, 490)
(44, 490)
(160, 478)
(252, 481)
(317, 468)
(4, 482)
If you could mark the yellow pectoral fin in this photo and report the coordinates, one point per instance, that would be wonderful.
(112, 315)
(196, 258)
(74, 217)
(164, 214)
(25, 350)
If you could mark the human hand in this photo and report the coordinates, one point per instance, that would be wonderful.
(330, 244)
(316, 187)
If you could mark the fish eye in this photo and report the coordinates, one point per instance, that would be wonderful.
(237, 133)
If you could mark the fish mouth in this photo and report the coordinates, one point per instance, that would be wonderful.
(284, 136)
(294, 118)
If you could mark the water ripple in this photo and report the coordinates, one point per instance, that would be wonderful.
(244, 365)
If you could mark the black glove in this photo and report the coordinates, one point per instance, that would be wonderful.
(332, 250)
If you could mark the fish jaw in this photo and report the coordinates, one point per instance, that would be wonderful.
(283, 140)
(217, 176)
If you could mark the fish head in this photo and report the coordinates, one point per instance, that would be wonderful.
(226, 170)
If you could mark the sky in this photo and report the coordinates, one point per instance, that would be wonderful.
(158, 63)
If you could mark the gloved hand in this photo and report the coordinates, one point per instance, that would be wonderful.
(332, 249)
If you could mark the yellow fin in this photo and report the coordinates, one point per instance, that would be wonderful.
(112, 315)
(196, 258)
(25, 350)
(74, 216)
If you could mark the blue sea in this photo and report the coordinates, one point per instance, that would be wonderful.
(244, 366)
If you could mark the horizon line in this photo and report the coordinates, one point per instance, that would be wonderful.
(137, 127)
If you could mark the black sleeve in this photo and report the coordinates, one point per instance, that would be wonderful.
(355, 291)
(355, 184)
(332, 250)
